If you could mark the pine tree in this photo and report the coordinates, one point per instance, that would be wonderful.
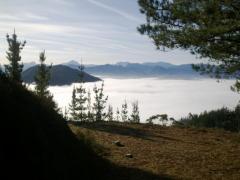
(110, 113)
(209, 29)
(73, 106)
(42, 77)
(124, 112)
(100, 103)
(78, 105)
(135, 117)
(81, 102)
(81, 96)
(117, 117)
(89, 107)
(14, 69)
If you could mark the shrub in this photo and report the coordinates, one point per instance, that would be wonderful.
(223, 118)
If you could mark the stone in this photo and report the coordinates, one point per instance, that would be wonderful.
(118, 143)
(129, 155)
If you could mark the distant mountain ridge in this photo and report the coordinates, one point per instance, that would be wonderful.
(60, 75)
(123, 69)
(151, 69)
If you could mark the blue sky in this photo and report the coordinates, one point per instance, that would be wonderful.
(99, 31)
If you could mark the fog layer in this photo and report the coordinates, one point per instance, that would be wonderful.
(174, 97)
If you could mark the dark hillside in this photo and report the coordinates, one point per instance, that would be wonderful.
(36, 143)
(60, 75)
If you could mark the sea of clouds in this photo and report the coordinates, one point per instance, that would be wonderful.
(177, 98)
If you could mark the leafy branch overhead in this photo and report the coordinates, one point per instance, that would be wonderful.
(210, 29)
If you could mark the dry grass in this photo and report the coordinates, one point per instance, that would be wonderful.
(180, 153)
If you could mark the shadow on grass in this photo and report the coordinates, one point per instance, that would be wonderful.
(116, 128)
(124, 129)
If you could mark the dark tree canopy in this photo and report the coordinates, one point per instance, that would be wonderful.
(14, 69)
(208, 28)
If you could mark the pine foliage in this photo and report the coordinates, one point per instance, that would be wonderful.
(42, 77)
(14, 69)
(100, 103)
(209, 29)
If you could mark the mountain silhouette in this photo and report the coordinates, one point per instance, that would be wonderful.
(60, 75)
(150, 69)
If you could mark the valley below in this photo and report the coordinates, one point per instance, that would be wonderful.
(175, 97)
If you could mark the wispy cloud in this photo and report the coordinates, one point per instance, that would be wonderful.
(69, 29)
(114, 10)
(9, 17)
(38, 28)
(22, 17)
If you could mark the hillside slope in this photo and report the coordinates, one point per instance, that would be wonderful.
(37, 144)
(60, 75)
(35, 141)
(180, 153)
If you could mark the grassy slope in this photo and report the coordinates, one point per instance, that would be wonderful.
(177, 152)
(36, 143)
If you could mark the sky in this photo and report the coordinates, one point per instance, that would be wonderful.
(98, 31)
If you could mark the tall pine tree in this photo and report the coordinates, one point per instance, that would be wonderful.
(81, 102)
(14, 69)
(42, 79)
(100, 103)
(78, 104)
(81, 97)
